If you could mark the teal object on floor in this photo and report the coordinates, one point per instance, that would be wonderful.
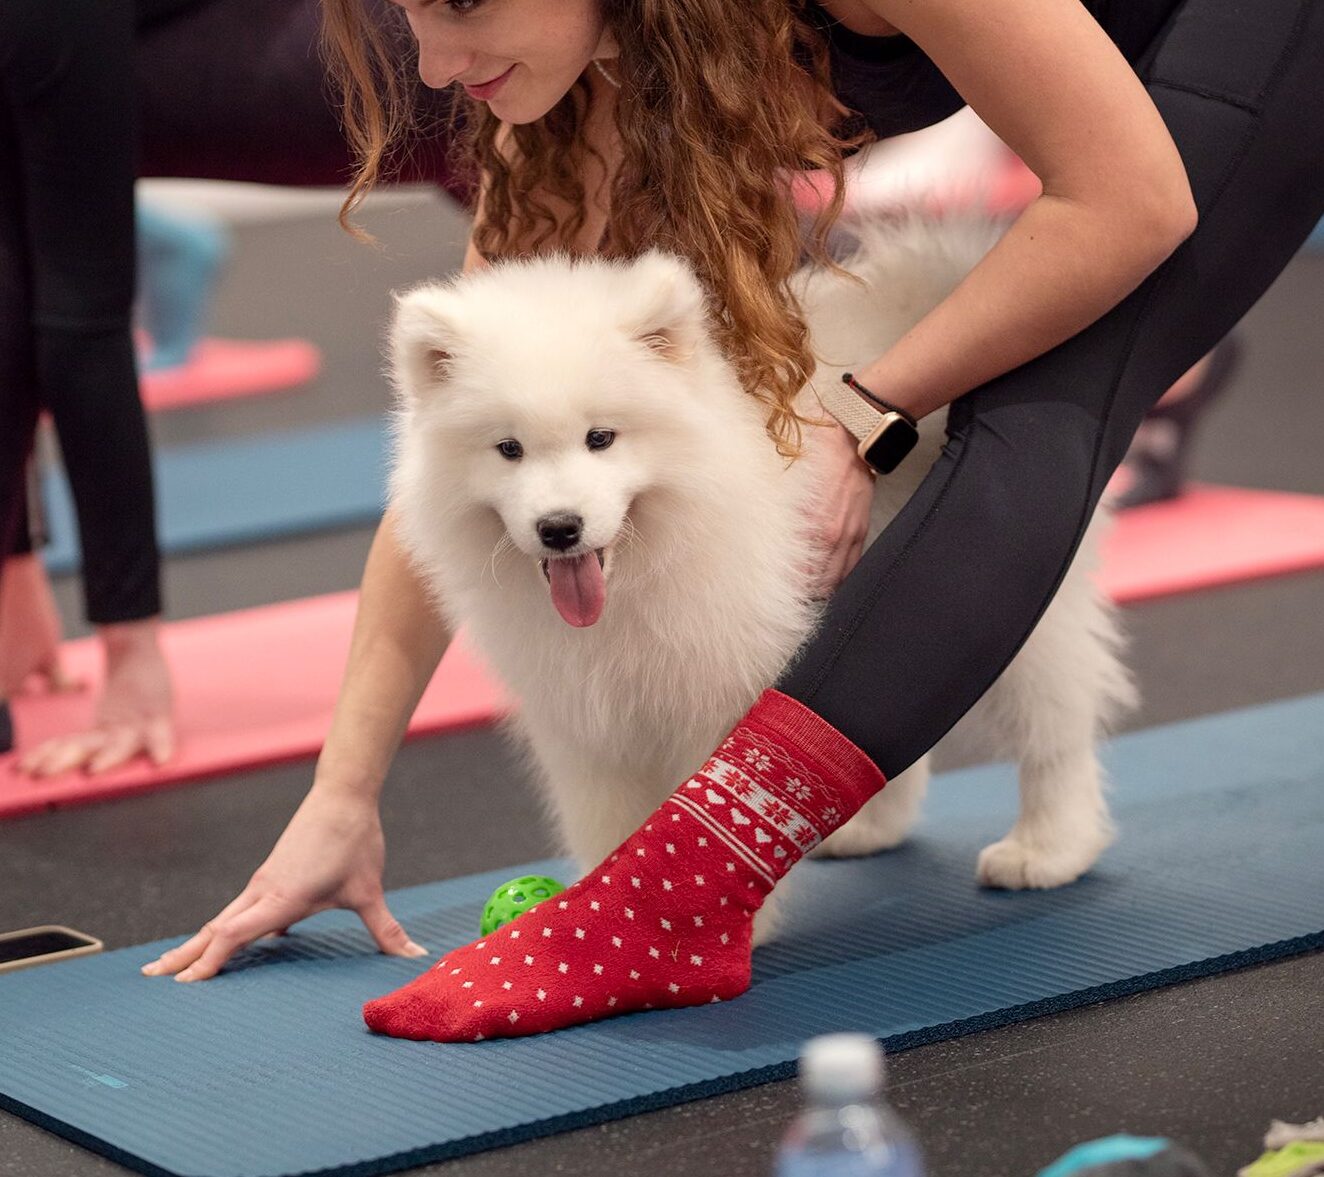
(1111, 1150)
(268, 1070)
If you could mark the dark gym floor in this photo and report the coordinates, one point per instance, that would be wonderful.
(1208, 1062)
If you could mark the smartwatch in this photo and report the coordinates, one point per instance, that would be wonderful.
(886, 433)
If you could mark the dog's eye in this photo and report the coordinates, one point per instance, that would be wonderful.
(510, 448)
(599, 439)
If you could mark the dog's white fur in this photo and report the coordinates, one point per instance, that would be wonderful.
(705, 546)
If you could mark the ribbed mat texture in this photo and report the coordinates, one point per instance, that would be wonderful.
(268, 1069)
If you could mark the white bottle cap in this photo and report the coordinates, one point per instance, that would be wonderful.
(837, 1068)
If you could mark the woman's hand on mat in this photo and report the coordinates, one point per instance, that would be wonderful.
(840, 521)
(330, 855)
(133, 716)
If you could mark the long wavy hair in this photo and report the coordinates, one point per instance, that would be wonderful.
(720, 105)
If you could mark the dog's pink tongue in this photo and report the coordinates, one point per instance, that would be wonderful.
(579, 589)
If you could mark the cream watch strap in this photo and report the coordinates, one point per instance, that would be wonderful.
(849, 408)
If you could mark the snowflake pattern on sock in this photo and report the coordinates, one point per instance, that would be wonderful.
(666, 920)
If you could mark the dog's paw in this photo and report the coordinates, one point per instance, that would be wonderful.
(1014, 865)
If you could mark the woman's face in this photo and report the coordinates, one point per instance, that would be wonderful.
(521, 57)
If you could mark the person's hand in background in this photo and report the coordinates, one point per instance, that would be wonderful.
(133, 716)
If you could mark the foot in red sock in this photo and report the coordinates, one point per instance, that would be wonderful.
(666, 920)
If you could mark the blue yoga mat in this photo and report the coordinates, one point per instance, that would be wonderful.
(211, 494)
(268, 1069)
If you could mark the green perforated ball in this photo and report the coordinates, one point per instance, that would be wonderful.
(511, 900)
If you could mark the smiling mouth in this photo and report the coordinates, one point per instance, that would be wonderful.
(482, 89)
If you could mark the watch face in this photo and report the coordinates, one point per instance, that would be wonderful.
(892, 441)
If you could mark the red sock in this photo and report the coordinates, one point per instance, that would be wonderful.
(665, 921)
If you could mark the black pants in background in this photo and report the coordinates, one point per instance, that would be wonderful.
(66, 286)
(222, 89)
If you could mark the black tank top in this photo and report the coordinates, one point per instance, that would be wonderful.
(888, 82)
(893, 86)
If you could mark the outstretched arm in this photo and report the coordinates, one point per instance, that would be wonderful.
(332, 853)
(1116, 200)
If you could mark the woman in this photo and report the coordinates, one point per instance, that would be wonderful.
(66, 285)
(619, 123)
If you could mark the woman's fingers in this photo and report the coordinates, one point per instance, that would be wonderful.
(180, 957)
(330, 855)
(391, 938)
(121, 744)
(62, 754)
(266, 915)
(225, 941)
(853, 556)
(102, 749)
(839, 561)
(204, 955)
(183, 955)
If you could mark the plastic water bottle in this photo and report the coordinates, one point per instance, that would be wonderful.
(846, 1130)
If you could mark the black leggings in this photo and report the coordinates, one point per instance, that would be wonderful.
(942, 601)
(66, 285)
(226, 89)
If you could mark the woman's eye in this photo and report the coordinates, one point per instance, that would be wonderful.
(510, 448)
(599, 439)
(463, 6)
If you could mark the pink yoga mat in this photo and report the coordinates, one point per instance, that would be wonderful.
(257, 687)
(252, 688)
(1211, 536)
(223, 369)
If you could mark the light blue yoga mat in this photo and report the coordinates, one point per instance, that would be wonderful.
(268, 1069)
(210, 494)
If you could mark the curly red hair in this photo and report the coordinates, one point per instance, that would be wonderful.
(719, 106)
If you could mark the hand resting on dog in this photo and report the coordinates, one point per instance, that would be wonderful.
(841, 516)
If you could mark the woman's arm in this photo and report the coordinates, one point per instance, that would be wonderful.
(1115, 203)
(332, 852)
(398, 641)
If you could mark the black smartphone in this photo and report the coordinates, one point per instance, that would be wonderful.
(32, 946)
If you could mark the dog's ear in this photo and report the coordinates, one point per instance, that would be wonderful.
(426, 331)
(668, 313)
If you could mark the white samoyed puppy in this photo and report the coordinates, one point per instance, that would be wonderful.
(588, 492)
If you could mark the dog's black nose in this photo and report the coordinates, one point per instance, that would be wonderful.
(559, 532)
